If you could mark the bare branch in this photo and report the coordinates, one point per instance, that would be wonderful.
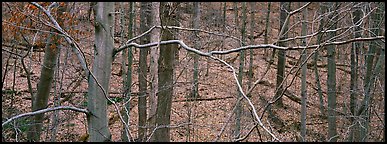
(200, 30)
(244, 96)
(182, 44)
(44, 111)
(166, 126)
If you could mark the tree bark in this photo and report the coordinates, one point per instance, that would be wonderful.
(142, 71)
(238, 110)
(331, 85)
(251, 52)
(281, 53)
(364, 111)
(48, 68)
(354, 133)
(165, 78)
(196, 22)
(304, 31)
(315, 59)
(155, 37)
(97, 102)
(128, 82)
(267, 28)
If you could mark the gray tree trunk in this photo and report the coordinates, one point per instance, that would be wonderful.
(316, 55)
(281, 53)
(97, 102)
(238, 110)
(224, 25)
(122, 33)
(142, 71)
(267, 21)
(331, 85)
(251, 53)
(354, 133)
(40, 100)
(155, 37)
(304, 31)
(196, 25)
(364, 111)
(166, 73)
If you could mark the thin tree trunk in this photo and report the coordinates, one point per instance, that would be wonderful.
(354, 133)
(252, 27)
(331, 86)
(304, 31)
(48, 68)
(155, 37)
(97, 103)
(142, 72)
(128, 82)
(364, 111)
(58, 93)
(238, 110)
(316, 55)
(224, 26)
(267, 28)
(236, 17)
(281, 53)
(122, 33)
(196, 22)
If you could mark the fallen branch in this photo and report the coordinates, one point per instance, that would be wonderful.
(202, 99)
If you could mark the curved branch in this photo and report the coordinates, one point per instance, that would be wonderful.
(183, 45)
(44, 111)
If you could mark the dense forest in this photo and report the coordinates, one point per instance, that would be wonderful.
(193, 71)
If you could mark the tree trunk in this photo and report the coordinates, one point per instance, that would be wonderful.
(128, 82)
(40, 100)
(238, 110)
(267, 28)
(304, 31)
(155, 37)
(364, 111)
(97, 103)
(316, 55)
(165, 78)
(252, 27)
(142, 71)
(224, 26)
(354, 133)
(196, 23)
(122, 33)
(281, 53)
(331, 85)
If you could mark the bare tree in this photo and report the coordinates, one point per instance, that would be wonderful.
(354, 134)
(303, 77)
(331, 82)
(97, 102)
(196, 22)
(128, 82)
(165, 75)
(142, 71)
(155, 37)
(40, 100)
(284, 7)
